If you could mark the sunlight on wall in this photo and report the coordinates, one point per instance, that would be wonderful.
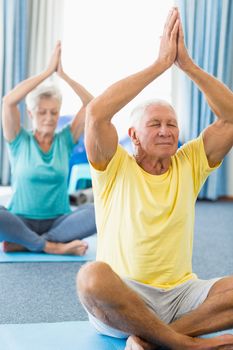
(106, 40)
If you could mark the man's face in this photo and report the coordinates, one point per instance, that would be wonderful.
(157, 134)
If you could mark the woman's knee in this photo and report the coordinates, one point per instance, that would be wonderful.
(4, 217)
(92, 277)
(85, 206)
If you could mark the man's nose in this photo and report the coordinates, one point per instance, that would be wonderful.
(164, 131)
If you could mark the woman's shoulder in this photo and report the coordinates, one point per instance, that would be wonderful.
(65, 135)
(23, 134)
(21, 141)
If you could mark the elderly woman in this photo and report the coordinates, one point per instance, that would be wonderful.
(39, 217)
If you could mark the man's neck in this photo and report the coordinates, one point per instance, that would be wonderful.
(154, 166)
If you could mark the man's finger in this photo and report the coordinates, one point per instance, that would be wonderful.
(172, 22)
(175, 29)
(168, 18)
(181, 33)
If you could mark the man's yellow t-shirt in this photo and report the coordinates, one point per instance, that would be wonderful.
(145, 222)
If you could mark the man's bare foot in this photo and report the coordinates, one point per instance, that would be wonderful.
(76, 247)
(222, 342)
(12, 247)
(135, 343)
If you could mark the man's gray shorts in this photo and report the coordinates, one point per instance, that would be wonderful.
(168, 305)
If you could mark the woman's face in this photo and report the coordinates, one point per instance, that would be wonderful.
(46, 114)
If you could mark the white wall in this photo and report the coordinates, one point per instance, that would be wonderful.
(106, 40)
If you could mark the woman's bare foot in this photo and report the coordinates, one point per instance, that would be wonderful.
(76, 247)
(135, 343)
(12, 247)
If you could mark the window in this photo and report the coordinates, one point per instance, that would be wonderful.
(106, 40)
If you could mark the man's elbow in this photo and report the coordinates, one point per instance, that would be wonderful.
(99, 110)
(94, 111)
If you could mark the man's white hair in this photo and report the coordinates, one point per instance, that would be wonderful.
(139, 111)
(42, 91)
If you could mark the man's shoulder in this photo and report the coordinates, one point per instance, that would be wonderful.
(191, 146)
(115, 164)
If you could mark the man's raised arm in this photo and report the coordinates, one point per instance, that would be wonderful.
(218, 137)
(100, 134)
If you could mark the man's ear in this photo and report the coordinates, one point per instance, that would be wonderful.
(132, 132)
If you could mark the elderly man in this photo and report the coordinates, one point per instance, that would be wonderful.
(142, 286)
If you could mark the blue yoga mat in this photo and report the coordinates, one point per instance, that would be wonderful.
(60, 336)
(56, 336)
(37, 257)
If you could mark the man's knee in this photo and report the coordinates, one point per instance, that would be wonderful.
(223, 285)
(92, 276)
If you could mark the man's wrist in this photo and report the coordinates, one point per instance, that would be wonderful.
(189, 67)
(161, 65)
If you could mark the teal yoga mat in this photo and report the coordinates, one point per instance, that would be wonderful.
(37, 257)
(60, 336)
(56, 336)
